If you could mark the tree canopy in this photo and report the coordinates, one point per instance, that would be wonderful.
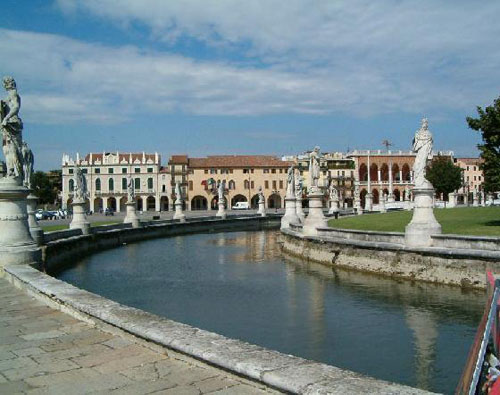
(46, 186)
(488, 124)
(444, 176)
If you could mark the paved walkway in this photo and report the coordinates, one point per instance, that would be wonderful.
(43, 350)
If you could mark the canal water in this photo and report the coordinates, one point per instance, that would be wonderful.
(240, 285)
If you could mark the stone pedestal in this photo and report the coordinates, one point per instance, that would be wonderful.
(79, 220)
(483, 199)
(475, 201)
(423, 224)
(178, 212)
(334, 206)
(221, 213)
(315, 217)
(383, 209)
(35, 230)
(368, 202)
(452, 200)
(490, 198)
(299, 210)
(290, 213)
(16, 243)
(390, 198)
(131, 216)
(262, 209)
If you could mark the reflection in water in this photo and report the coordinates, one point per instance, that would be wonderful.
(240, 285)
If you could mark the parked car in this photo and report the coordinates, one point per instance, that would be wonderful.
(41, 214)
(109, 211)
(241, 206)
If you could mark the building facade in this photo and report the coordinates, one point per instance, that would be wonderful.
(242, 175)
(472, 177)
(107, 177)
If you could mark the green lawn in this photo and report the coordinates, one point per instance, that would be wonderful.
(479, 221)
(53, 228)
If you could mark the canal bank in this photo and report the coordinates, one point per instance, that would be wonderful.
(272, 368)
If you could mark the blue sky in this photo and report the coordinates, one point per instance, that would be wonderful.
(247, 77)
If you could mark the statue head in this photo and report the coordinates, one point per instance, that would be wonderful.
(425, 124)
(9, 82)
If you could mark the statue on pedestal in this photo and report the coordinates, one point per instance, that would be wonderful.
(220, 190)
(130, 190)
(261, 195)
(80, 192)
(422, 145)
(314, 170)
(28, 162)
(290, 186)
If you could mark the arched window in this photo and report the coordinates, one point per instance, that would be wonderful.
(71, 185)
(98, 184)
(150, 183)
(111, 184)
(246, 184)
(232, 185)
(137, 183)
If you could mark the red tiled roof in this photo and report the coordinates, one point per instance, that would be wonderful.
(235, 161)
(122, 156)
(178, 160)
(470, 161)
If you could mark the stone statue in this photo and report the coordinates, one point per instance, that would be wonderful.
(130, 190)
(80, 192)
(222, 186)
(261, 195)
(178, 196)
(314, 170)
(333, 192)
(12, 130)
(298, 185)
(28, 161)
(407, 193)
(422, 145)
(290, 186)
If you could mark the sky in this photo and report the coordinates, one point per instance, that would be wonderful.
(208, 77)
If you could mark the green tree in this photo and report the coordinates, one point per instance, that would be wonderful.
(46, 186)
(444, 176)
(488, 124)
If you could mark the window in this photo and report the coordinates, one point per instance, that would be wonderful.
(150, 183)
(190, 171)
(190, 185)
(479, 178)
(281, 184)
(273, 171)
(137, 170)
(70, 171)
(266, 184)
(71, 185)
(246, 184)
(213, 171)
(98, 184)
(246, 171)
(274, 185)
(111, 184)
(205, 171)
(97, 171)
(251, 171)
(266, 171)
(124, 184)
(111, 170)
(137, 183)
(281, 171)
(467, 168)
(124, 170)
(230, 171)
(474, 178)
(163, 188)
(84, 171)
(150, 169)
(232, 185)
(252, 185)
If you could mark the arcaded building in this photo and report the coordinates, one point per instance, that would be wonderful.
(242, 174)
(107, 175)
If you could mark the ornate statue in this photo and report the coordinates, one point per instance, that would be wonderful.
(28, 161)
(221, 188)
(261, 195)
(290, 186)
(130, 190)
(422, 145)
(333, 192)
(178, 196)
(12, 130)
(298, 185)
(80, 191)
(314, 170)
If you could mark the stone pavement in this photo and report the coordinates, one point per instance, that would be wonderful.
(43, 350)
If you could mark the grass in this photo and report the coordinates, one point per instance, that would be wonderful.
(478, 221)
(53, 228)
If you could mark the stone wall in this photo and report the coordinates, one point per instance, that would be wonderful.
(381, 253)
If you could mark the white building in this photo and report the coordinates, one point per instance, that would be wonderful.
(107, 176)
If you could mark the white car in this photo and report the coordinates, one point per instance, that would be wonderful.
(241, 206)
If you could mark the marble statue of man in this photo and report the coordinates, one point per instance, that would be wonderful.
(178, 196)
(12, 130)
(314, 170)
(298, 185)
(80, 191)
(333, 192)
(222, 186)
(261, 195)
(290, 187)
(130, 190)
(422, 145)
(28, 162)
